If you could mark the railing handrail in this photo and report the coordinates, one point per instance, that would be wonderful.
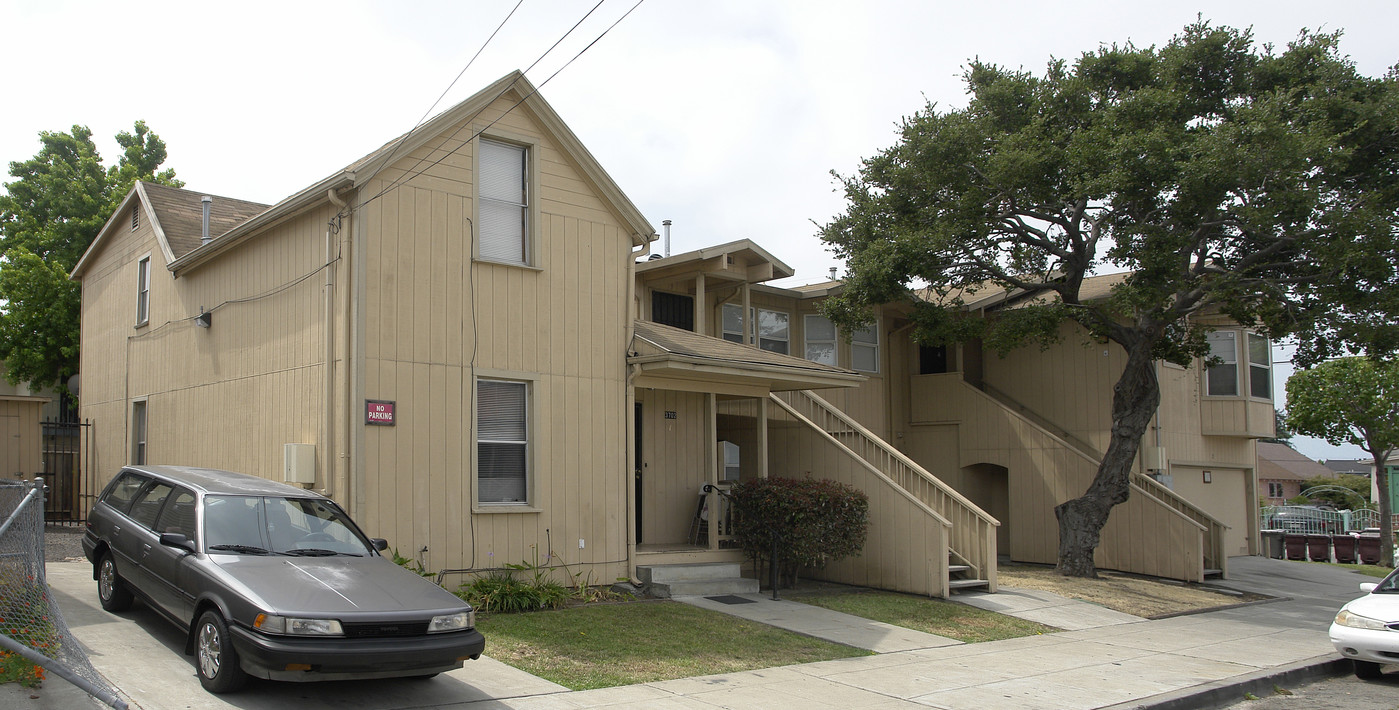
(895, 454)
(908, 495)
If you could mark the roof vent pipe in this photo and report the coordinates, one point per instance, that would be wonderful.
(666, 223)
(207, 202)
(833, 273)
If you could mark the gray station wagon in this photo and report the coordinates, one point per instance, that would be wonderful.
(269, 580)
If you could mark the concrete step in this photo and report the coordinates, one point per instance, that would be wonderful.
(703, 588)
(702, 579)
(687, 572)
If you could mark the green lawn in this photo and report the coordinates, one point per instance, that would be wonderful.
(1371, 570)
(933, 616)
(605, 645)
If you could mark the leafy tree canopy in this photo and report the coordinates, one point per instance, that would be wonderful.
(50, 214)
(1222, 178)
(1352, 400)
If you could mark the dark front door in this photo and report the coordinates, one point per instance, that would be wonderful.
(638, 466)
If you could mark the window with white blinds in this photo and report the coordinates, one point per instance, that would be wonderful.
(502, 441)
(820, 340)
(864, 349)
(504, 208)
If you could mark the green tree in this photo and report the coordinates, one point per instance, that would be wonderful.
(50, 214)
(1356, 493)
(1352, 400)
(1222, 178)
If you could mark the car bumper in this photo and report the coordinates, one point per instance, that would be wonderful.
(283, 658)
(1365, 644)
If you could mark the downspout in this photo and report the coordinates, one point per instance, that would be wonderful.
(329, 374)
(629, 408)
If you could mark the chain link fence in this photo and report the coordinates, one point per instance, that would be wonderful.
(31, 625)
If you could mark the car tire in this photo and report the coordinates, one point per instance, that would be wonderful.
(214, 656)
(1367, 670)
(111, 590)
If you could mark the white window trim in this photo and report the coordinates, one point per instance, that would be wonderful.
(875, 346)
(143, 290)
(1268, 365)
(531, 382)
(140, 432)
(533, 252)
(808, 341)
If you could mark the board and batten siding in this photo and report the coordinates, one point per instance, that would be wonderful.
(21, 445)
(227, 396)
(435, 318)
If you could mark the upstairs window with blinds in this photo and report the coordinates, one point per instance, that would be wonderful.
(504, 207)
(864, 349)
(1222, 377)
(502, 441)
(820, 340)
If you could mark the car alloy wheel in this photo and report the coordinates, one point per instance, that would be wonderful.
(113, 595)
(217, 661)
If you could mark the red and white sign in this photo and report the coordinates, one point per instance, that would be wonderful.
(378, 412)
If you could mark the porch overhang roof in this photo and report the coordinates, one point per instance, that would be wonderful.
(662, 351)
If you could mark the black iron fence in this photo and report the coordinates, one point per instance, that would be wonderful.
(66, 473)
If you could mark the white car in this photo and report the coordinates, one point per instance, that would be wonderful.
(1367, 629)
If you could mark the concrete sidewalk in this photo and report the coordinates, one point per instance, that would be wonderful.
(1108, 662)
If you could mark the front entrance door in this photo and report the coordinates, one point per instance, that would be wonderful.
(638, 465)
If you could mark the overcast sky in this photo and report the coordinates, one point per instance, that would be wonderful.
(725, 117)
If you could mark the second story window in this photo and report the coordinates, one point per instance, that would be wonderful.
(820, 340)
(769, 331)
(1260, 371)
(864, 349)
(504, 207)
(1222, 378)
(143, 291)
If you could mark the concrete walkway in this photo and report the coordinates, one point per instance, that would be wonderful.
(1107, 661)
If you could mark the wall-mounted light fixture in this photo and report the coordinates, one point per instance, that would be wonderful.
(204, 319)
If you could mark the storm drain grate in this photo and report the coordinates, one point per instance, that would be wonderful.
(730, 599)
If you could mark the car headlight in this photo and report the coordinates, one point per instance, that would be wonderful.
(294, 626)
(1356, 621)
(452, 622)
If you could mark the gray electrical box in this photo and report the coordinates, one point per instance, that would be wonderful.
(299, 463)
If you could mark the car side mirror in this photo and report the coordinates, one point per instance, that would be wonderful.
(380, 543)
(1368, 586)
(177, 540)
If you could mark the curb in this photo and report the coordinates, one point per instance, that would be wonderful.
(1231, 690)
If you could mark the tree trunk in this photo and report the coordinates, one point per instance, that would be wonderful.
(1081, 520)
(1386, 510)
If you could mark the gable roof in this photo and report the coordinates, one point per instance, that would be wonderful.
(244, 219)
(673, 352)
(1280, 462)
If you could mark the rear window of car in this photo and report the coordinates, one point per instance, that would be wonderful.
(123, 490)
(147, 504)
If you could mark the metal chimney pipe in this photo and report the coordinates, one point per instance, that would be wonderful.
(206, 202)
(666, 223)
(833, 273)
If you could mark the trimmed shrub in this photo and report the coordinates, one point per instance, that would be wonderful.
(813, 521)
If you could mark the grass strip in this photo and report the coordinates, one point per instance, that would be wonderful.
(933, 616)
(606, 645)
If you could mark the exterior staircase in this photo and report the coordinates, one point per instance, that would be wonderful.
(702, 579)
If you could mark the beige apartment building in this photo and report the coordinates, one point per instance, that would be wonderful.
(464, 340)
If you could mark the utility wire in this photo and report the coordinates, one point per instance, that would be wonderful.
(428, 112)
(414, 171)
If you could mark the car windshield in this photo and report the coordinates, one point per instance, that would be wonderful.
(1389, 585)
(253, 525)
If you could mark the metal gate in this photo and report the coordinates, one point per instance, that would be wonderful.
(66, 473)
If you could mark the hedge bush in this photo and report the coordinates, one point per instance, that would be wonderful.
(814, 521)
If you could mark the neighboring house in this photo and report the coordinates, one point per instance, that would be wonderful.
(21, 442)
(454, 338)
(1281, 471)
(1354, 467)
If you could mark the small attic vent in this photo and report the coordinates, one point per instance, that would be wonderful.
(135, 217)
(730, 258)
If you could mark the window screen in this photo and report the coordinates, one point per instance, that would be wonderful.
(502, 441)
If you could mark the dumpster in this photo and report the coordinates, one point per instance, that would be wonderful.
(1319, 548)
(1344, 545)
(1272, 543)
(1295, 546)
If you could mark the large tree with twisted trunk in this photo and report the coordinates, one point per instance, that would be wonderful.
(1222, 177)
